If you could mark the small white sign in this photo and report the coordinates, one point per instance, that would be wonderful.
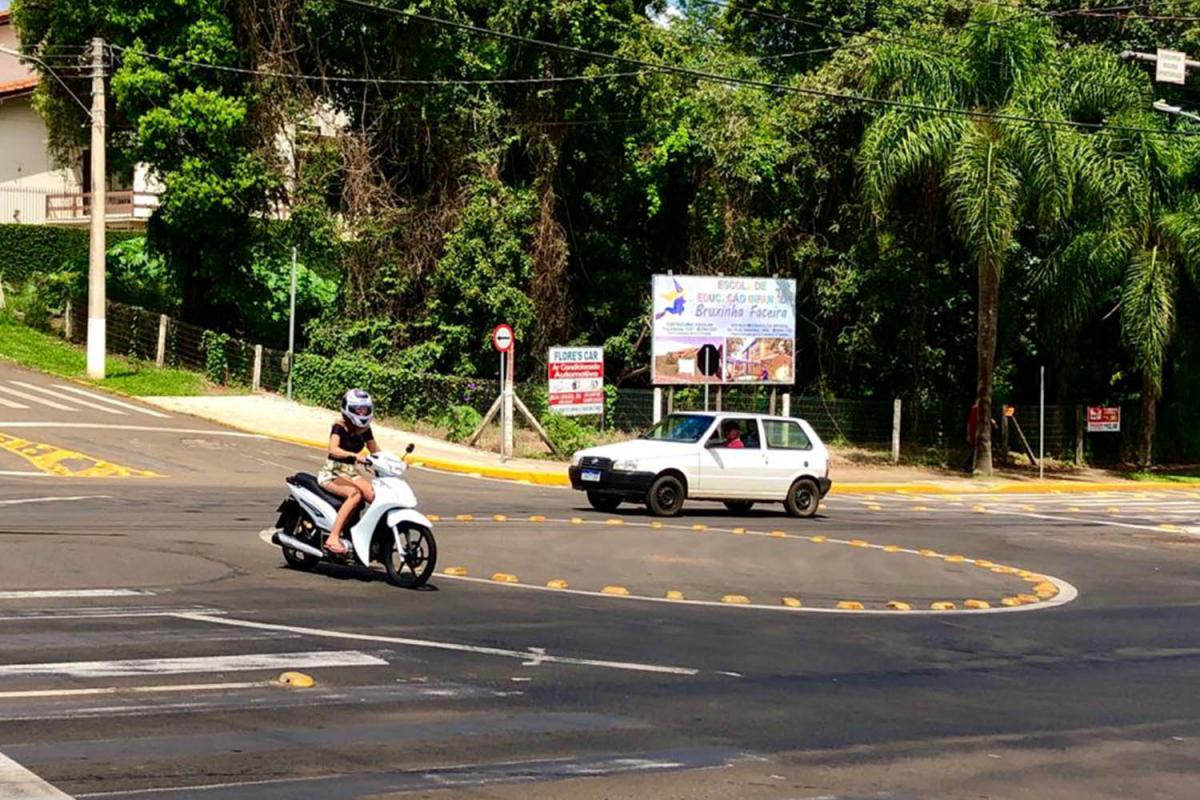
(1170, 67)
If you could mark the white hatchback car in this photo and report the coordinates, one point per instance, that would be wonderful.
(738, 459)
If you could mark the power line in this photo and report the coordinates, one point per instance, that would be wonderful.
(53, 73)
(759, 84)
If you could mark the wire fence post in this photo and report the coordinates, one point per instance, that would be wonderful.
(291, 353)
(896, 431)
(256, 373)
(160, 349)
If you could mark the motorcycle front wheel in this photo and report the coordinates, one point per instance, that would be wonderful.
(413, 563)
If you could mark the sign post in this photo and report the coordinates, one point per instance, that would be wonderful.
(504, 342)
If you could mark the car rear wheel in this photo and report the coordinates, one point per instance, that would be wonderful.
(739, 506)
(666, 496)
(803, 498)
(603, 502)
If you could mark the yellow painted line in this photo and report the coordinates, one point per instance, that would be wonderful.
(739, 531)
(699, 527)
(859, 543)
(892, 548)
(504, 577)
(558, 583)
(499, 518)
(817, 539)
(614, 521)
(674, 594)
(897, 605)
(779, 534)
(464, 518)
(620, 591)
(454, 571)
(537, 518)
(791, 602)
(68, 463)
(977, 604)
(850, 605)
(736, 599)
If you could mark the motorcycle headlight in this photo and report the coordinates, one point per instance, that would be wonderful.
(625, 465)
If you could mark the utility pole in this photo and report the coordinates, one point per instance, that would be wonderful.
(96, 299)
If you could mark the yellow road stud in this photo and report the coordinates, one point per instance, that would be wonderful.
(433, 517)
(979, 509)
(504, 577)
(736, 599)
(920, 508)
(454, 571)
(464, 518)
(1012, 601)
(874, 508)
(955, 559)
(1168, 527)
(1002, 570)
(738, 531)
(297, 680)
(620, 591)
(614, 521)
(1074, 509)
(1027, 598)
(977, 604)
(1044, 590)
(656, 525)
(779, 534)
(1027, 508)
(817, 539)
(859, 543)
(979, 562)
(557, 583)
(892, 548)
(791, 602)
(537, 518)
(576, 520)
(942, 605)
(699, 527)
(499, 518)
(897, 605)
(1113, 510)
(929, 553)
(850, 605)
(674, 594)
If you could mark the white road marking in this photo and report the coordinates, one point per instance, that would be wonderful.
(42, 615)
(1078, 520)
(522, 655)
(18, 783)
(11, 403)
(175, 666)
(20, 501)
(86, 403)
(41, 402)
(12, 473)
(114, 401)
(112, 426)
(44, 593)
(103, 690)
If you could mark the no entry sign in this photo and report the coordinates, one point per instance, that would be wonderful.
(502, 338)
(576, 376)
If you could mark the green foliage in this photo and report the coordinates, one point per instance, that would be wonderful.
(460, 422)
(215, 347)
(567, 433)
(28, 249)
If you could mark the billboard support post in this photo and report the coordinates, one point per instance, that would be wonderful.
(656, 412)
(787, 404)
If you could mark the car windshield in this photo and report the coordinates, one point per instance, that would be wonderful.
(680, 428)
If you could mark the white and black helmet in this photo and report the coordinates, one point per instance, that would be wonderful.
(358, 407)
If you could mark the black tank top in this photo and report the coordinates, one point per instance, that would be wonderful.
(350, 440)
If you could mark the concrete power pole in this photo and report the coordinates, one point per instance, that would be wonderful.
(96, 300)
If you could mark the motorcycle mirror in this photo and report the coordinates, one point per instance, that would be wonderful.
(410, 448)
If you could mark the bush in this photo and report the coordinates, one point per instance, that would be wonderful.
(29, 249)
(568, 434)
(460, 422)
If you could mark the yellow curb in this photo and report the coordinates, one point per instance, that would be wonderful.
(558, 583)
(432, 517)
(977, 604)
(779, 534)
(955, 559)
(1012, 601)
(736, 599)
(464, 518)
(817, 539)
(617, 590)
(892, 548)
(943, 605)
(499, 518)
(504, 577)
(859, 543)
(454, 571)
(791, 602)
(614, 521)
(897, 605)
(674, 594)
(537, 518)
(738, 530)
(297, 680)
(699, 527)
(850, 605)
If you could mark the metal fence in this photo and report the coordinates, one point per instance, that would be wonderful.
(23, 206)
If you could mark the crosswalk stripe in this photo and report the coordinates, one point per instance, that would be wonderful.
(24, 396)
(46, 390)
(175, 666)
(111, 400)
(11, 404)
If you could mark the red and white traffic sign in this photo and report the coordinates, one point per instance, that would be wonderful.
(502, 337)
(576, 377)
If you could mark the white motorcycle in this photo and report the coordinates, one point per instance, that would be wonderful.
(389, 531)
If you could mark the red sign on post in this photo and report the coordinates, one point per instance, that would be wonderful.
(576, 376)
(1102, 419)
(502, 338)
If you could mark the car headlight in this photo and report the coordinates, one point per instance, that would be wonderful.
(625, 465)
(576, 459)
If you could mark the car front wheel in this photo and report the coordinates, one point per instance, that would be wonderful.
(803, 498)
(666, 496)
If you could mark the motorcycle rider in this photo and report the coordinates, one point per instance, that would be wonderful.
(347, 438)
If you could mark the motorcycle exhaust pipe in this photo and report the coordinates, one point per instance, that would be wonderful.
(296, 544)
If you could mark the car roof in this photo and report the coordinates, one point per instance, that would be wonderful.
(738, 414)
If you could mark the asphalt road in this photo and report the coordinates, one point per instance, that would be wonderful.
(143, 623)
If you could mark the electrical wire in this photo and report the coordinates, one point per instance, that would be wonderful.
(729, 80)
(53, 73)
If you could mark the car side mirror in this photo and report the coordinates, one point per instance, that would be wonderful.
(410, 448)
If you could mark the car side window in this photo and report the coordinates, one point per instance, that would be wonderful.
(736, 433)
(783, 435)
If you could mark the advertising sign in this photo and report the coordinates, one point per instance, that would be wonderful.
(723, 330)
(576, 376)
(1101, 419)
(1170, 66)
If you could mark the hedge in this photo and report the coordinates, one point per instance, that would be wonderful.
(398, 393)
(26, 249)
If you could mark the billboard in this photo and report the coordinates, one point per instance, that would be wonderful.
(576, 376)
(720, 330)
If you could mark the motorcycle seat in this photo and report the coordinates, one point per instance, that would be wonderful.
(309, 482)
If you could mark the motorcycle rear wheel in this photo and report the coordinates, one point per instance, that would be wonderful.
(415, 567)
